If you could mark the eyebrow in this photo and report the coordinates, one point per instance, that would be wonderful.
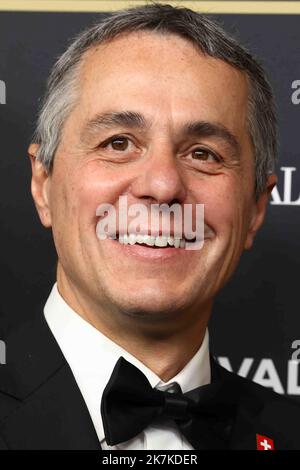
(135, 120)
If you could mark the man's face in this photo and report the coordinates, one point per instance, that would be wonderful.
(169, 84)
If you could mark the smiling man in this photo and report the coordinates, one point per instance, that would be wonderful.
(160, 105)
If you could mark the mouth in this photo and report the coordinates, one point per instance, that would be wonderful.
(152, 241)
(148, 248)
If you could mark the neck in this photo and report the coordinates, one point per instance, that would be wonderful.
(164, 347)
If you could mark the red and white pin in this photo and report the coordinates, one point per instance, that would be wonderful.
(264, 442)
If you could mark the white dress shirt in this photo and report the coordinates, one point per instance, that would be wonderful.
(92, 356)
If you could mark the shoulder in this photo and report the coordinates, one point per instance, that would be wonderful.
(32, 356)
(252, 389)
(261, 411)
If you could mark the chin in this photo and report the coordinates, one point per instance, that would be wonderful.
(152, 308)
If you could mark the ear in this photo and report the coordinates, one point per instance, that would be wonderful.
(40, 186)
(259, 211)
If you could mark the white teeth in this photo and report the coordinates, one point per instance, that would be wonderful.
(171, 241)
(177, 242)
(132, 239)
(140, 238)
(150, 241)
(160, 241)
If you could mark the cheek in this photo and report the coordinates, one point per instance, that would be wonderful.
(224, 205)
(218, 199)
(93, 186)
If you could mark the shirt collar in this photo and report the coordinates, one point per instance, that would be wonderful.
(92, 356)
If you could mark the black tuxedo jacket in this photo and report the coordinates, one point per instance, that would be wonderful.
(41, 406)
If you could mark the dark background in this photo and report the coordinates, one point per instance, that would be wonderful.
(257, 314)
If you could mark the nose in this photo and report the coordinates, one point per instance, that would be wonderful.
(160, 180)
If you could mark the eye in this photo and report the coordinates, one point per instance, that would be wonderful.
(205, 155)
(118, 143)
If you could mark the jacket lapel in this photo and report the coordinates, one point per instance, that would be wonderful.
(258, 412)
(243, 426)
(45, 407)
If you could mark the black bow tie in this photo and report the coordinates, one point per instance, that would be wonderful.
(129, 404)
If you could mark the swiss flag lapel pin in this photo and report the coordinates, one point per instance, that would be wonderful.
(264, 442)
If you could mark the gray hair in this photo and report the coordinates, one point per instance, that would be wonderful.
(207, 35)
